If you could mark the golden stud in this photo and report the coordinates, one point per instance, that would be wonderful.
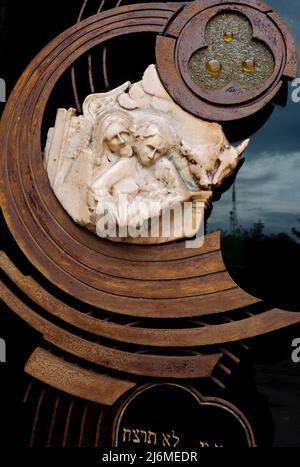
(214, 67)
(248, 65)
(228, 36)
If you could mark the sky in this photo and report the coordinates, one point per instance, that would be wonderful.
(268, 184)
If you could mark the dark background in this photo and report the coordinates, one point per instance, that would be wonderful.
(261, 248)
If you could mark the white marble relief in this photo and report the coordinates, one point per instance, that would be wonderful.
(135, 143)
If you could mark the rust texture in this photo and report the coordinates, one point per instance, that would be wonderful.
(186, 34)
(125, 314)
(76, 381)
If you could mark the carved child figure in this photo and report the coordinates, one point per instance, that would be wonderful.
(149, 180)
(135, 142)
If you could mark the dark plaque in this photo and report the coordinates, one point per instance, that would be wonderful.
(174, 417)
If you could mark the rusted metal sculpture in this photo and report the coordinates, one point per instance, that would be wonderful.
(114, 316)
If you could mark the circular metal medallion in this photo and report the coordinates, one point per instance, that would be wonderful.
(225, 61)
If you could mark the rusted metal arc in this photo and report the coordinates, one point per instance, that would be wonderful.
(101, 6)
(53, 421)
(205, 281)
(73, 76)
(209, 259)
(27, 392)
(98, 430)
(211, 335)
(83, 426)
(34, 184)
(132, 335)
(200, 366)
(82, 10)
(155, 289)
(197, 266)
(36, 417)
(171, 308)
(90, 74)
(190, 268)
(104, 59)
(105, 71)
(75, 92)
(71, 406)
(90, 65)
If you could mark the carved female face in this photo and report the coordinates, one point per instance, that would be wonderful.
(118, 138)
(151, 143)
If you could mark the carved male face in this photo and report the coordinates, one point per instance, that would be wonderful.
(118, 138)
(152, 142)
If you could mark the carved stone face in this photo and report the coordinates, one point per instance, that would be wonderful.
(118, 138)
(152, 142)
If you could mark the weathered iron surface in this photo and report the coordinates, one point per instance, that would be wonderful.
(210, 315)
(187, 33)
(159, 366)
(69, 378)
